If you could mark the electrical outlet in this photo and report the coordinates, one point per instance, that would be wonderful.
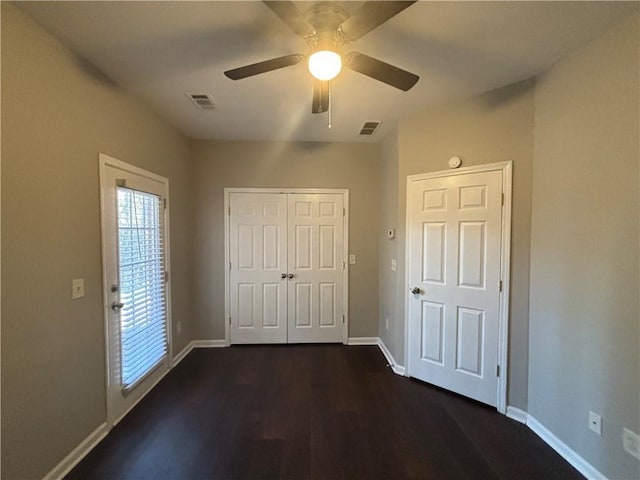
(77, 288)
(393, 265)
(386, 324)
(179, 326)
(595, 423)
(631, 442)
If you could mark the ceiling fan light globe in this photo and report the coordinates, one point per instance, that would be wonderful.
(325, 64)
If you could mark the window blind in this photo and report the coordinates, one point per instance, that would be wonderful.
(141, 254)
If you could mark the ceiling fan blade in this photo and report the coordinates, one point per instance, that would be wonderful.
(371, 15)
(289, 14)
(263, 67)
(320, 97)
(381, 71)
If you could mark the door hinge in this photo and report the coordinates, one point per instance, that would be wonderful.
(343, 264)
(229, 320)
(344, 212)
(166, 276)
(164, 203)
(497, 370)
(500, 286)
(229, 211)
(342, 318)
(229, 266)
(502, 200)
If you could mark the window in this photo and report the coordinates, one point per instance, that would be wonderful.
(141, 255)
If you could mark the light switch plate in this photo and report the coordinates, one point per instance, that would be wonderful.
(77, 288)
(393, 265)
(352, 259)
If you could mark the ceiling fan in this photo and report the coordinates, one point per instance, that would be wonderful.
(327, 29)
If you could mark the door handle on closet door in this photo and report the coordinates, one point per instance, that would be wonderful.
(291, 275)
(283, 275)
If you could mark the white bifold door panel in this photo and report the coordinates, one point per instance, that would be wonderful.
(286, 267)
(454, 234)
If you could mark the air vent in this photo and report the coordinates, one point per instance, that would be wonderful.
(202, 100)
(369, 128)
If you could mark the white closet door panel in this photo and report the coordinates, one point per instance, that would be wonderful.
(258, 256)
(316, 232)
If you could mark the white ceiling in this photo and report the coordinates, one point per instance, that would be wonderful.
(161, 50)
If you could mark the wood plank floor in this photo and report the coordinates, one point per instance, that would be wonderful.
(312, 411)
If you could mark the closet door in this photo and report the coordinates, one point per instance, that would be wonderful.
(258, 267)
(316, 251)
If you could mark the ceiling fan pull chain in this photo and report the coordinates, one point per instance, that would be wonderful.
(329, 109)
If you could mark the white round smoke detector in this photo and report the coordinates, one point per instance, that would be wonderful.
(455, 162)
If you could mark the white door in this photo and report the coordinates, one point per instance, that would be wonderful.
(454, 233)
(316, 224)
(258, 270)
(135, 282)
(286, 268)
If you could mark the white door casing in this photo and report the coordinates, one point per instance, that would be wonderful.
(258, 262)
(457, 259)
(113, 171)
(316, 264)
(311, 246)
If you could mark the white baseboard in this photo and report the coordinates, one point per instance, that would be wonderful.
(78, 453)
(397, 369)
(516, 414)
(209, 343)
(362, 341)
(566, 452)
(183, 353)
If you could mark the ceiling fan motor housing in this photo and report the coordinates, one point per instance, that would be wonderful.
(326, 18)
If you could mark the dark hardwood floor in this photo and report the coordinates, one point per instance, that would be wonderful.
(312, 411)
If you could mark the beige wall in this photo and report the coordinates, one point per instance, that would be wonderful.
(219, 164)
(575, 349)
(57, 115)
(489, 128)
(584, 337)
(388, 280)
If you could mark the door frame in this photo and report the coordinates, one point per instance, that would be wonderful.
(106, 161)
(345, 255)
(506, 168)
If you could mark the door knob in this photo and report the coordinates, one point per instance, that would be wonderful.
(283, 275)
(291, 275)
(117, 306)
(415, 290)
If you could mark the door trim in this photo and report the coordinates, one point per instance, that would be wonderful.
(505, 262)
(345, 255)
(104, 162)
